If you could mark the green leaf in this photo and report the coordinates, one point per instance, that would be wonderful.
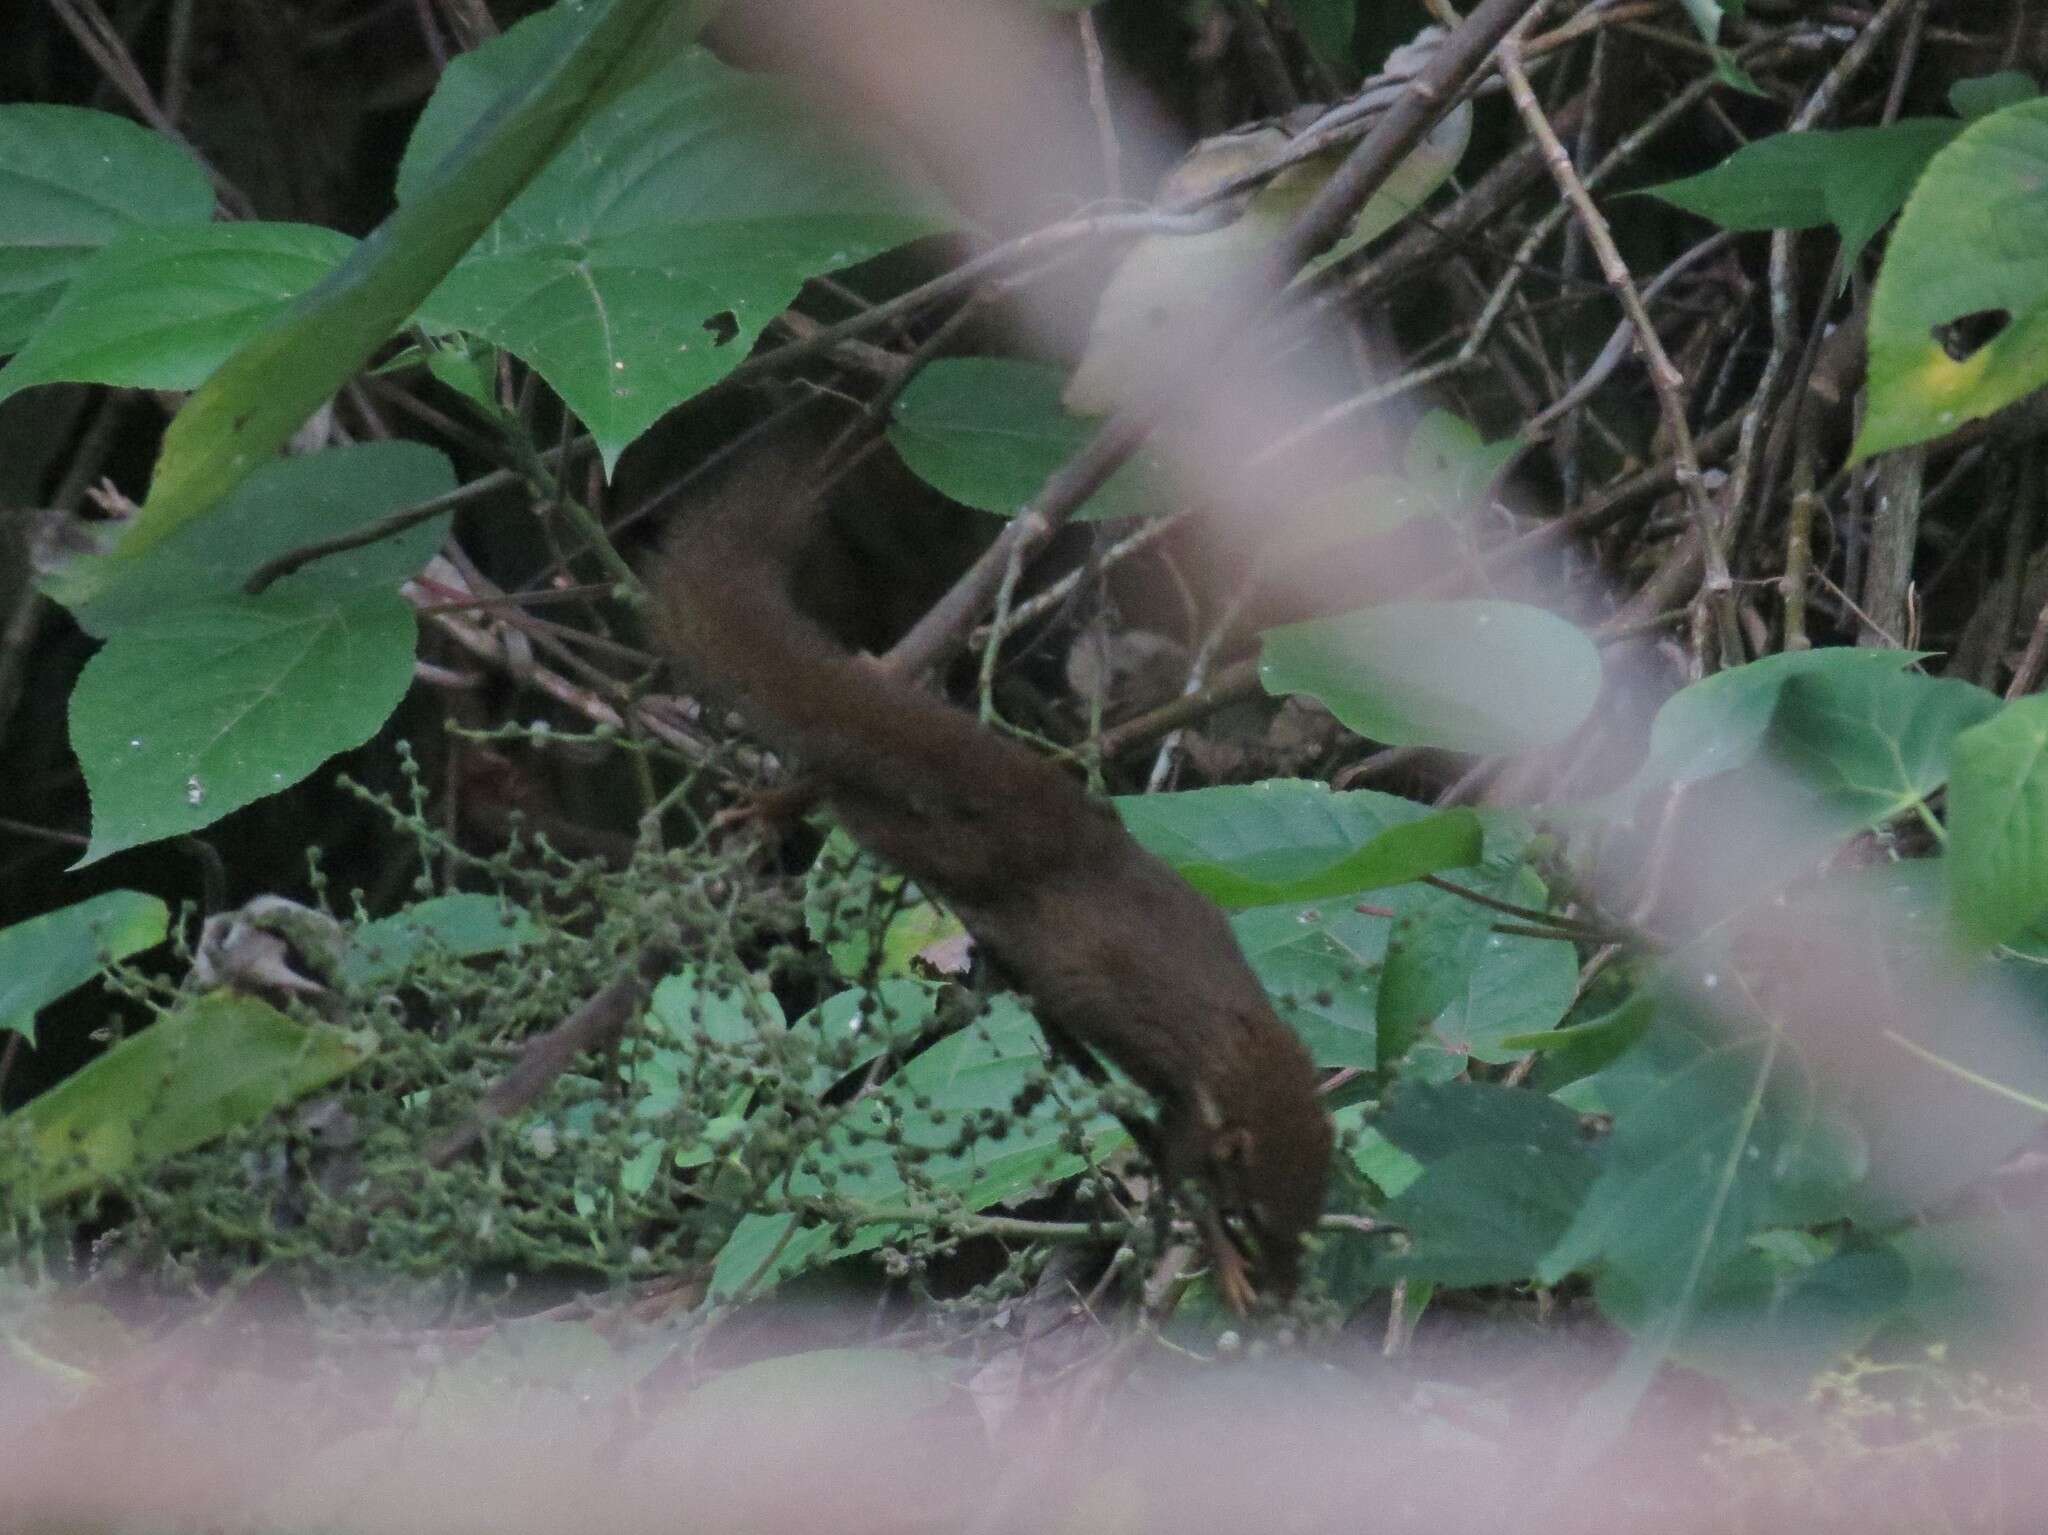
(1985, 94)
(886, 1017)
(640, 266)
(1765, 1315)
(1449, 463)
(219, 1062)
(981, 1068)
(460, 926)
(261, 395)
(1729, 71)
(989, 432)
(1389, 1167)
(1474, 676)
(70, 182)
(845, 889)
(1852, 178)
(1972, 241)
(181, 719)
(1872, 744)
(163, 307)
(1706, 15)
(1517, 987)
(1720, 722)
(1430, 957)
(286, 504)
(1323, 965)
(1997, 859)
(1687, 1177)
(1584, 1048)
(45, 957)
(1486, 1215)
(1326, 26)
(688, 1013)
(1431, 1121)
(1293, 840)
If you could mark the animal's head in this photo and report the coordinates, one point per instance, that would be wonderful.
(1263, 1159)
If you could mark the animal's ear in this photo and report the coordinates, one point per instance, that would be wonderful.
(1233, 1148)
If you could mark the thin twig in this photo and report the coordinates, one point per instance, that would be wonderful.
(1328, 213)
(1665, 379)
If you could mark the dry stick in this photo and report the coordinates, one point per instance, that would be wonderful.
(1611, 355)
(177, 58)
(101, 43)
(1241, 678)
(1238, 680)
(1799, 533)
(1898, 489)
(2009, 589)
(1148, 534)
(1025, 248)
(2032, 659)
(1198, 667)
(1718, 589)
(407, 517)
(470, 20)
(1328, 213)
(1891, 565)
(1518, 266)
(596, 1023)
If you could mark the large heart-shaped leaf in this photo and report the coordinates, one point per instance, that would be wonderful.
(262, 394)
(639, 267)
(163, 307)
(1972, 242)
(284, 505)
(989, 432)
(1869, 743)
(267, 689)
(70, 181)
(1292, 840)
(1476, 676)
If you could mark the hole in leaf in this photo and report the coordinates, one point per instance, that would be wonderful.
(723, 326)
(1966, 335)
